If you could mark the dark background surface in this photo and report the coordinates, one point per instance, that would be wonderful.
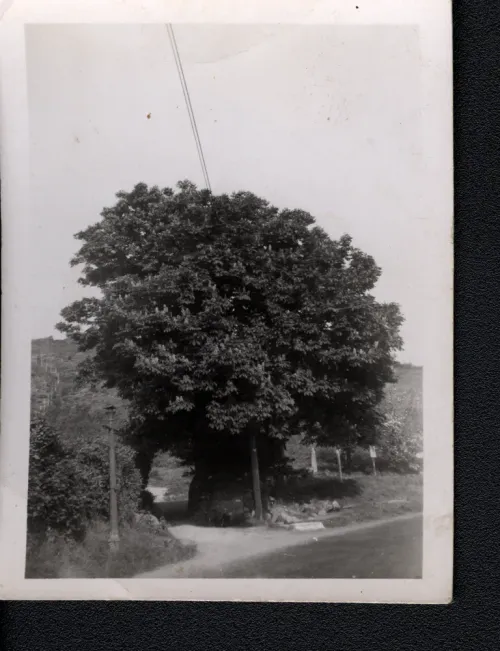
(473, 619)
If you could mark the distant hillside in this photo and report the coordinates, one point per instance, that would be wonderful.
(409, 374)
(64, 348)
(64, 354)
(76, 411)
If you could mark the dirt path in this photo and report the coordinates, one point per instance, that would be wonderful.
(218, 547)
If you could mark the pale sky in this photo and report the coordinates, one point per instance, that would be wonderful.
(326, 119)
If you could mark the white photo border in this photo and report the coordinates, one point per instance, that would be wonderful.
(433, 19)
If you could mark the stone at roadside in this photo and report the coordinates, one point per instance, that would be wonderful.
(308, 509)
(278, 516)
(281, 515)
(334, 506)
(147, 519)
(276, 512)
(307, 526)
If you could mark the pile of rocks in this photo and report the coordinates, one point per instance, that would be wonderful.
(292, 513)
(149, 521)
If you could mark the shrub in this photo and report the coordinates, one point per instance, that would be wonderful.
(69, 486)
(92, 461)
(400, 438)
(52, 490)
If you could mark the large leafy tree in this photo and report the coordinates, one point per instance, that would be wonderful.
(226, 322)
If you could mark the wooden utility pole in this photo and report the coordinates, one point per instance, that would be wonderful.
(114, 536)
(257, 497)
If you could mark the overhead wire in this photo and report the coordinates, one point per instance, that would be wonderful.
(199, 147)
(189, 106)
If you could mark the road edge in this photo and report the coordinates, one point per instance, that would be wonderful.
(297, 538)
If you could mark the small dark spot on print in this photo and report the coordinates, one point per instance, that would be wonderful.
(148, 116)
(77, 140)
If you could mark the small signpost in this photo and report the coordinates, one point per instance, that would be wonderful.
(339, 461)
(373, 455)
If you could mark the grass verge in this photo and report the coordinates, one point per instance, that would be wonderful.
(141, 549)
(361, 497)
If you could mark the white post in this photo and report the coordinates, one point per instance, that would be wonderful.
(373, 455)
(339, 461)
(314, 461)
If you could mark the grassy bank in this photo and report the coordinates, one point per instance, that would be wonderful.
(141, 549)
(381, 497)
(361, 497)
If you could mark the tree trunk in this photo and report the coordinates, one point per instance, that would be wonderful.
(193, 495)
(314, 462)
(144, 462)
(348, 459)
(197, 488)
(257, 497)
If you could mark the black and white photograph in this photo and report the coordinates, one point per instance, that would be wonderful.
(232, 274)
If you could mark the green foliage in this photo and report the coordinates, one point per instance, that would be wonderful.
(222, 314)
(69, 487)
(52, 483)
(400, 437)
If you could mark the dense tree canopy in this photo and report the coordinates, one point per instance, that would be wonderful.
(222, 315)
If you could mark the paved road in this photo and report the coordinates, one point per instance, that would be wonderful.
(389, 551)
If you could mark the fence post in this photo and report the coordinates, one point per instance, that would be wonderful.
(339, 461)
(314, 461)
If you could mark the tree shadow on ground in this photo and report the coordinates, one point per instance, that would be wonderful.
(300, 488)
(306, 489)
(174, 512)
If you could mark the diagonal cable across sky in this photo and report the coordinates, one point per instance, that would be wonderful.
(189, 106)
